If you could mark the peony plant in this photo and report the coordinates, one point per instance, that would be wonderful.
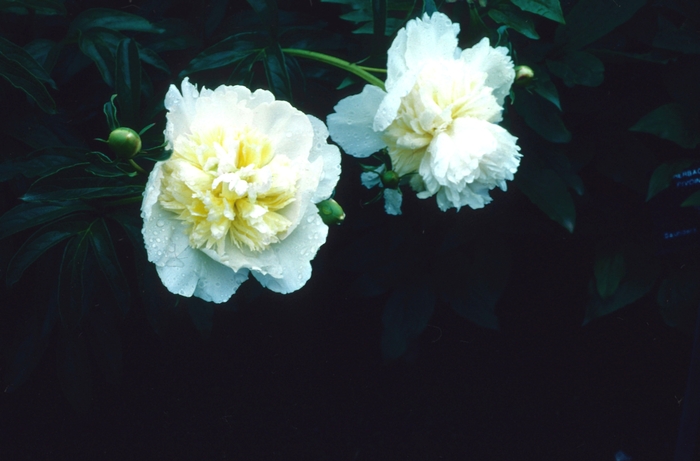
(437, 118)
(238, 194)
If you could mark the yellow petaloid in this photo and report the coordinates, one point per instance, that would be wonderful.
(443, 93)
(228, 186)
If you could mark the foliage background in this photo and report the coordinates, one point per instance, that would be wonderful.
(553, 323)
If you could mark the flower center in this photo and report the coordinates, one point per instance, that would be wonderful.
(228, 187)
(443, 92)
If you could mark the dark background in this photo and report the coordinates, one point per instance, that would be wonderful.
(301, 376)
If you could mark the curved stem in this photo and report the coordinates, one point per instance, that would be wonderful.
(137, 167)
(360, 71)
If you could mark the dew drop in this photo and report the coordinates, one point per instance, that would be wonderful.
(157, 240)
(160, 223)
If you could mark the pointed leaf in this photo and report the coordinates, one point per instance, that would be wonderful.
(662, 175)
(24, 80)
(101, 242)
(111, 19)
(277, 73)
(578, 68)
(27, 215)
(516, 19)
(128, 82)
(674, 122)
(542, 116)
(24, 59)
(75, 281)
(227, 51)
(590, 20)
(609, 270)
(550, 9)
(96, 48)
(693, 200)
(39, 243)
(545, 188)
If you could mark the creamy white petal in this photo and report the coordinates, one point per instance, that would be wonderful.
(420, 42)
(351, 124)
(294, 255)
(329, 155)
(496, 63)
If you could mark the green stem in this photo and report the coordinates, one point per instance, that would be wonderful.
(373, 69)
(137, 167)
(360, 71)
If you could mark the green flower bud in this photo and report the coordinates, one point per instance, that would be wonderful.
(125, 142)
(390, 179)
(523, 75)
(331, 212)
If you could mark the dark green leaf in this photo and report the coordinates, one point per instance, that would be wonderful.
(28, 215)
(678, 298)
(73, 183)
(267, 10)
(547, 190)
(693, 200)
(51, 161)
(227, 51)
(111, 19)
(214, 12)
(578, 68)
(661, 177)
(45, 52)
(22, 79)
(609, 270)
(542, 116)
(24, 59)
(277, 73)
(45, 7)
(674, 38)
(38, 244)
(544, 87)
(550, 9)
(151, 58)
(75, 280)
(128, 82)
(674, 122)
(405, 316)
(96, 48)
(429, 7)
(515, 19)
(589, 20)
(379, 17)
(642, 271)
(177, 35)
(73, 366)
(107, 259)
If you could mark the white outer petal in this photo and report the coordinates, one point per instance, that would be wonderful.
(392, 201)
(496, 63)
(181, 108)
(351, 124)
(329, 155)
(294, 255)
(421, 41)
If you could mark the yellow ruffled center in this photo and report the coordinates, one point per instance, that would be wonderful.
(444, 91)
(228, 187)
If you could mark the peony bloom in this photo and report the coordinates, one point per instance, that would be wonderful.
(438, 117)
(238, 194)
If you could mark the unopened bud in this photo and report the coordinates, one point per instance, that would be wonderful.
(125, 142)
(390, 179)
(330, 211)
(523, 75)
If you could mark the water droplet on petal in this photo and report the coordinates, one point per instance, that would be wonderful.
(160, 223)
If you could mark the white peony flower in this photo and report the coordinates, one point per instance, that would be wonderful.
(237, 195)
(437, 118)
